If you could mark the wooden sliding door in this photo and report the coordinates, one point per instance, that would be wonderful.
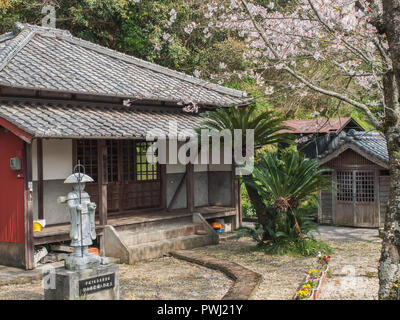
(133, 182)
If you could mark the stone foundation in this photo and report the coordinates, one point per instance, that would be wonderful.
(99, 283)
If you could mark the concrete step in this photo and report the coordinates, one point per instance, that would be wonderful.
(163, 232)
(157, 249)
(154, 240)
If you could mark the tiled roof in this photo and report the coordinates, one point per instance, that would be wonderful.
(315, 125)
(52, 59)
(372, 143)
(90, 120)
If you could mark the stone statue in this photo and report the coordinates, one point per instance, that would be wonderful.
(83, 232)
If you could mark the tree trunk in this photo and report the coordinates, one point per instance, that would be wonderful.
(261, 210)
(389, 268)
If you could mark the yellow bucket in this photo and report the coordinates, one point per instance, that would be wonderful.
(37, 227)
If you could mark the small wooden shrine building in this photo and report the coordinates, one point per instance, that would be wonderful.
(359, 161)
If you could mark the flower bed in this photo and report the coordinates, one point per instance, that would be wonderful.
(311, 285)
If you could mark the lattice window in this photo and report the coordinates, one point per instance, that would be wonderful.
(345, 185)
(145, 170)
(128, 158)
(365, 186)
(86, 153)
(112, 160)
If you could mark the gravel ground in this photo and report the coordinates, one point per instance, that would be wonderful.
(353, 272)
(175, 279)
(282, 274)
(178, 280)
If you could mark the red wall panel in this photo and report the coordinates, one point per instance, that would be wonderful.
(11, 190)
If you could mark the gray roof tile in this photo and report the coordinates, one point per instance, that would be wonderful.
(80, 120)
(373, 143)
(45, 58)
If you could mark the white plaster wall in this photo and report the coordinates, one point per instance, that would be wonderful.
(181, 168)
(34, 160)
(57, 159)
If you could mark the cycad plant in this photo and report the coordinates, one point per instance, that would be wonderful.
(267, 131)
(289, 179)
(265, 124)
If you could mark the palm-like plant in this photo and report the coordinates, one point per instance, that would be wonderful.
(289, 180)
(266, 128)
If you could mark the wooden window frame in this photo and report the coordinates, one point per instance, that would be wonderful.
(116, 155)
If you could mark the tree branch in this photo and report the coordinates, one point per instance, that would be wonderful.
(302, 78)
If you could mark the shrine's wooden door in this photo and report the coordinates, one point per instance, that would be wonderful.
(356, 198)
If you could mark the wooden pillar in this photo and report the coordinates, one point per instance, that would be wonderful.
(163, 178)
(102, 180)
(39, 147)
(239, 201)
(190, 186)
(377, 215)
(235, 199)
(334, 195)
(28, 206)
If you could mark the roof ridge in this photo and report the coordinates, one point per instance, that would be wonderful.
(18, 41)
(67, 36)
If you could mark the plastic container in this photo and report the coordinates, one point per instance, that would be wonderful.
(94, 250)
(38, 225)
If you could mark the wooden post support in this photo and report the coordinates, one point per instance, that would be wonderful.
(235, 199)
(190, 187)
(102, 180)
(239, 202)
(39, 147)
(28, 206)
(163, 177)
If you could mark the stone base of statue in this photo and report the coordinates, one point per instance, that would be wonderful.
(97, 283)
(75, 263)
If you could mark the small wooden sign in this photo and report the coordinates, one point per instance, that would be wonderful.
(96, 284)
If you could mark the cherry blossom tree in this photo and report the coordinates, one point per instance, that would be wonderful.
(344, 49)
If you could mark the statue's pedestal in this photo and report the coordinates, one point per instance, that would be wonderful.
(99, 283)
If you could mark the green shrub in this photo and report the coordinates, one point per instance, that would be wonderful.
(255, 234)
(306, 247)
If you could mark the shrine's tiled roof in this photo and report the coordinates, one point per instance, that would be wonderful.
(41, 58)
(90, 120)
(372, 144)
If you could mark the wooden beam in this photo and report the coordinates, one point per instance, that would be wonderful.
(15, 130)
(190, 187)
(235, 198)
(39, 147)
(28, 206)
(177, 191)
(163, 178)
(102, 180)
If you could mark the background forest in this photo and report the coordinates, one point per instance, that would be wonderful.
(175, 34)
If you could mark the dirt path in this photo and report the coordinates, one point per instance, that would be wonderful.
(353, 271)
(281, 274)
